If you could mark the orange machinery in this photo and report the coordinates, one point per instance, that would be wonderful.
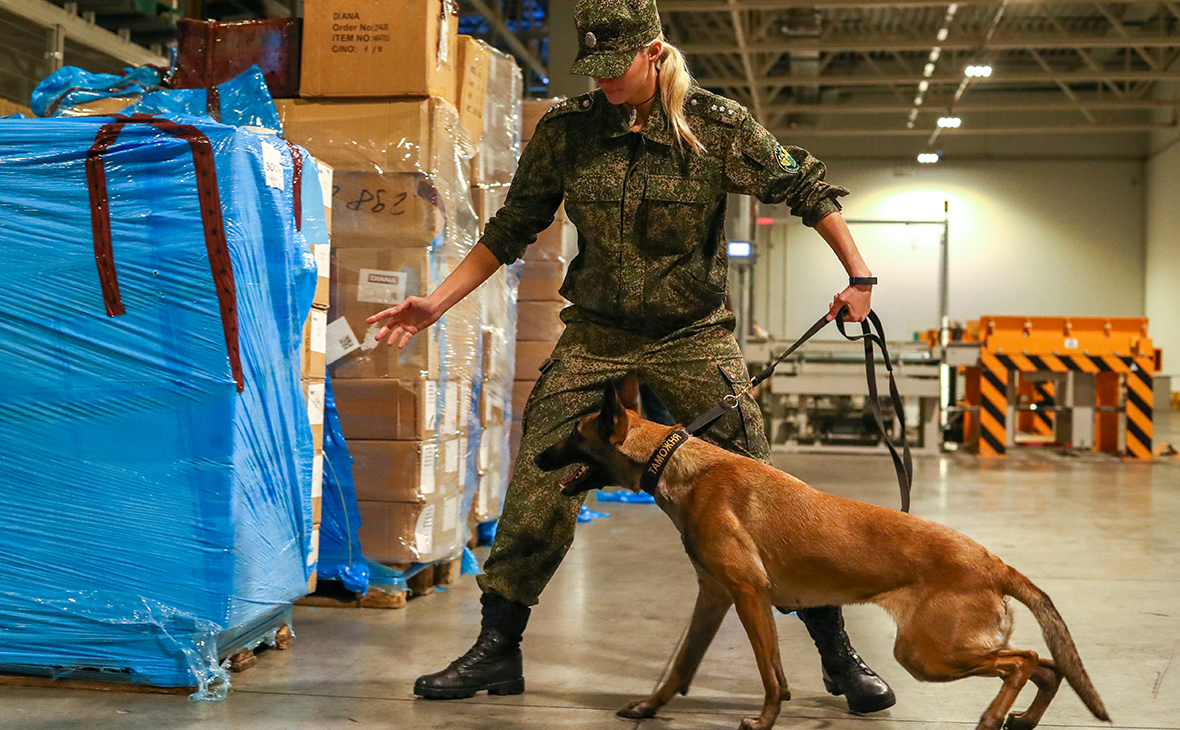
(1098, 367)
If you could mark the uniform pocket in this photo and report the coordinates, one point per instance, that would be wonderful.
(677, 213)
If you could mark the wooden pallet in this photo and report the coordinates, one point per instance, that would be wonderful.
(231, 646)
(332, 594)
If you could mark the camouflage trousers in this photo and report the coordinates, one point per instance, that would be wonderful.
(689, 370)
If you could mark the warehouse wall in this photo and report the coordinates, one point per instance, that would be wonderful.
(1162, 275)
(1041, 237)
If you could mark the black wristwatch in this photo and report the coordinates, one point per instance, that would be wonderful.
(862, 280)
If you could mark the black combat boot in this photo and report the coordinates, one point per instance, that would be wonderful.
(845, 673)
(493, 664)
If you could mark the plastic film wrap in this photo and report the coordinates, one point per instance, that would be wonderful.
(402, 219)
(181, 505)
(499, 147)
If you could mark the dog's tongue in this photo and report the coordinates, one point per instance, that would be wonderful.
(573, 477)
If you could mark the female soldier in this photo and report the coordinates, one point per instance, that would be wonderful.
(644, 165)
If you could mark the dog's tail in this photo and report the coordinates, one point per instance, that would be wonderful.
(1061, 646)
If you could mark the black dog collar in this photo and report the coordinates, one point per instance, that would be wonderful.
(655, 466)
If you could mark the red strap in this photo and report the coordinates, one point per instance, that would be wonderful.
(211, 219)
(297, 183)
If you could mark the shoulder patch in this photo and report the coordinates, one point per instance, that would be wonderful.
(714, 107)
(580, 103)
(785, 161)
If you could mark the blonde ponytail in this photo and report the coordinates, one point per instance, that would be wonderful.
(675, 83)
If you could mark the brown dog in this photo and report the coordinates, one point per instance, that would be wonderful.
(760, 538)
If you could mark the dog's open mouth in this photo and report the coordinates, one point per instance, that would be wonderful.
(583, 479)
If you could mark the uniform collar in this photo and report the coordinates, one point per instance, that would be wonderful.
(658, 128)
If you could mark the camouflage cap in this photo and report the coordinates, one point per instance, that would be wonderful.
(611, 32)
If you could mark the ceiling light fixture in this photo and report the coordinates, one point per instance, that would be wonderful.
(928, 158)
(949, 122)
(978, 72)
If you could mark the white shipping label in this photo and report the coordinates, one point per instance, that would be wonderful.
(381, 287)
(317, 476)
(451, 515)
(481, 495)
(429, 464)
(424, 531)
(325, 183)
(485, 443)
(319, 331)
(313, 555)
(451, 409)
(452, 456)
(315, 404)
(340, 341)
(323, 259)
(430, 403)
(443, 46)
(272, 165)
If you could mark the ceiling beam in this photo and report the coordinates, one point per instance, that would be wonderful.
(519, 49)
(1070, 77)
(1007, 42)
(82, 32)
(739, 33)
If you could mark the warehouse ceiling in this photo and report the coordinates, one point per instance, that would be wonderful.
(845, 68)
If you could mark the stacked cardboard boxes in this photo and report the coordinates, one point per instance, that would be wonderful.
(312, 363)
(539, 302)
(379, 106)
(492, 170)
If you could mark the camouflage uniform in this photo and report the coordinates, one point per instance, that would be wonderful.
(648, 287)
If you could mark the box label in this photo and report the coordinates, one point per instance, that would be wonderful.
(381, 287)
(452, 455)
(430, 403)
(424, 531)
(315, 404)
(313, 554)
(317, 476)
(429, 464)
(451, 515)
(319, 332)
(340, 340)
(451, 409)
(323, 259)
(462, 463)
(272, 166)
(464, 405)
(325, 184)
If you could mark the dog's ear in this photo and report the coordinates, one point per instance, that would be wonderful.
(629, 392)
(612, 419)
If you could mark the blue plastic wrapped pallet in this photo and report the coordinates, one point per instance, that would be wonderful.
(157, 492)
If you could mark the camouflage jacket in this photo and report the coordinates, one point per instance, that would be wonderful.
(652, 254)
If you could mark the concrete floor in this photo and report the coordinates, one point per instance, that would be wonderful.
(1099, 535)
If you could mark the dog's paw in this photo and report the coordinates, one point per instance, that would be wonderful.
(785, 694)
(752, 723)
(640, 709)
(1017, 721)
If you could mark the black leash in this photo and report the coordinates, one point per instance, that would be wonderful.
(902, 463)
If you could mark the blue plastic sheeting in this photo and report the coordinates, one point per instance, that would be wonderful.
(71, 85)
(243, 101)
(470, 565)
(148, 505)
(585, 514)
(485, 532)
(340, 546)
(626, 497)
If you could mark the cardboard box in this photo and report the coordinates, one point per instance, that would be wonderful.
(390, 210)
(531, 112)
(499, 148)
(400, 533)
(388, 409)
(10, 107)
(408, 471)
(387, 136)
(367, 281)
(211, 53)
(311, 356)
(539, 321)
(472, 83)
(93, 107)
(313, 394)
(358, 48)
(541, 280)
(488, 199)
(530, 356)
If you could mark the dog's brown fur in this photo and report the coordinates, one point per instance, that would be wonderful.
(760, 538)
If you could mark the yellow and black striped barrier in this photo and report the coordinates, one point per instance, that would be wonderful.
(995, 368)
